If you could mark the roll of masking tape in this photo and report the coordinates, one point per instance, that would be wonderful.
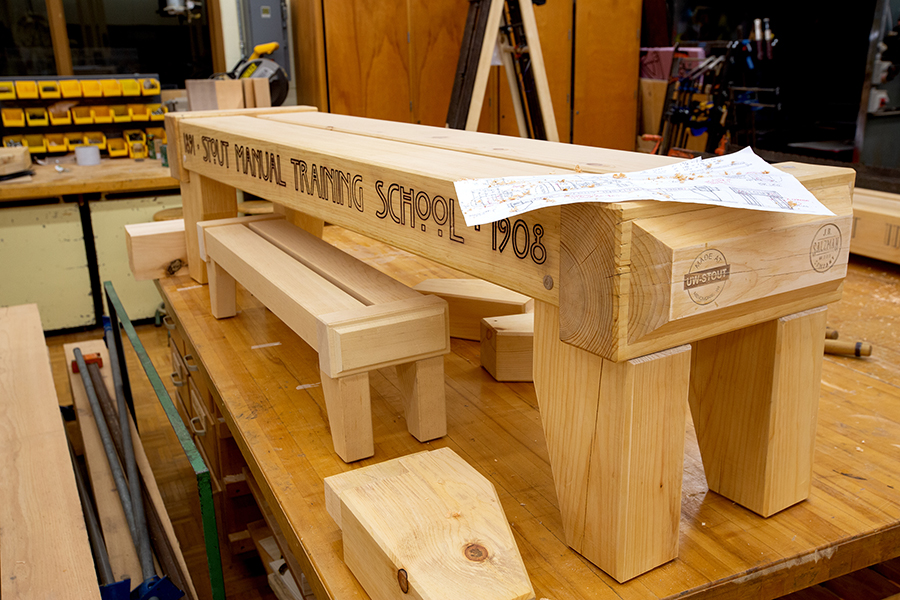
(87, 156)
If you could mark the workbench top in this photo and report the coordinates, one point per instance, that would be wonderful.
(111, 175)
(268, 386)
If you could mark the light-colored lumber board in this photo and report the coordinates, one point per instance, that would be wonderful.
(349, 409)
(432, 522)
(56, 17)
(203, 199)
(222, 291)
(754, 399)
(876, 225)
(471, 300)
(123, 558)
(482, 71)
(615, 434)
(44, 550)
(156, 249)
(507, 347)
(363, 282)
(302, 220)
(249, 94)
(262, 95)
(242, 220)
(382, 335)
(14, 160)
(310, 68)
(422, 388)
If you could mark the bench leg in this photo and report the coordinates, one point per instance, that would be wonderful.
(615, 434)
(222, 292)
(754, 399)
(422, 388)
(349, 415)
(203, 199)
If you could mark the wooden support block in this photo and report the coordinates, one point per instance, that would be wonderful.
(754, 399)
(349, 415)
(204, 199)
(156, 249)
(876, 225)
(422, 387)
(615, 433)
(382, 335)
(424, 524)
(222, 292)
(249, 95)
(44, 552)
(240, 542)
(309, 223)
(14, 160)
(471, 300)
(235, 485)
(507, 347)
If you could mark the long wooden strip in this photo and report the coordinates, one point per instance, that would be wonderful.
(154, 247)
(44, 550)
(293, 292)
(876, 225)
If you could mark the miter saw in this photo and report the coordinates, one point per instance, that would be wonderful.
(258, 67)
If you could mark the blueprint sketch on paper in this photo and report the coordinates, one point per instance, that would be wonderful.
(739, 180)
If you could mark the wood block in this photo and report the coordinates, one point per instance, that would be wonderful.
(471, 300)
(214, 94)
(156, 250)
(876, 225)
(222, 292)
(425, 524)
(382, 335)
(44, 551)
(243, 220)
(422, 387)
(349, 415)
(261, 92)
(203, 199)
(507, 347)
(313, 225)
(615, 434)
(249, 95)
(14, 160)
(240, 542)
(754, 399)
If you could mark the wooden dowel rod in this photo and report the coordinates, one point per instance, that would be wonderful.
(848, 348)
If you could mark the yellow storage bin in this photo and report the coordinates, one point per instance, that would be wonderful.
(158, 133)
(90, 88)
(157, 112)
(13, 117)
(136, 142)
(48, 89)
(36, 117)
(111, 87)
(26, 90)
(7, 90)
(59, 116)
(139, 112)
(56, 142)
(120, 113)
(130, 87)
(82, 115)
(149, 87)
(14, 141)
(102, 114)
(73, 139)
(36, 143)
(70, 88)
(95, 138)
(116, 147)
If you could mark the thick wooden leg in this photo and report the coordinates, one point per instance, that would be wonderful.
(422, 387)
(615, 433)
(754, 399)
(349, 415)
(222, 292)
(203, 199)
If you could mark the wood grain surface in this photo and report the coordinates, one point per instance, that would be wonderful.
(851, 520)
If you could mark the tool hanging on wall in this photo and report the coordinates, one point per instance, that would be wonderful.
(520, 54)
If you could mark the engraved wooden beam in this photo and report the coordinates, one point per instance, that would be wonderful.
(628, 282)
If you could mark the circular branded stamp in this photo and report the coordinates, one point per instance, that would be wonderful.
(825, 247)
(706, 278)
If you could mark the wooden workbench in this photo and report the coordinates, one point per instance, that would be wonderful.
(271, 402)
(111, 175)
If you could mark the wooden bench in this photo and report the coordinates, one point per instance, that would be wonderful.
(44, 550)
(357, 319)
